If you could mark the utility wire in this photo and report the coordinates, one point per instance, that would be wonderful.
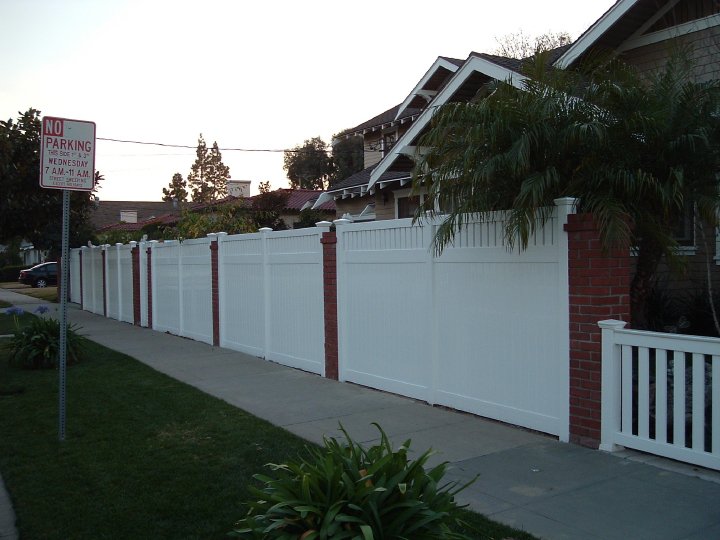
(168, 145)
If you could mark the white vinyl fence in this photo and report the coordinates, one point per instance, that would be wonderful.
(271, 296)
(182, 288)
(661, 394)
(118, 283)
(92, 285)
(481, 328)
(75, 291)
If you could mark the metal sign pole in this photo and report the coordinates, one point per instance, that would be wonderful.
(64, 268)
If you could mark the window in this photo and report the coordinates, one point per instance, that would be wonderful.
(387, 142)
(406, 203)
(407, 206)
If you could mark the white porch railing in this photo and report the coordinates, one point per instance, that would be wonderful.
(661, 394)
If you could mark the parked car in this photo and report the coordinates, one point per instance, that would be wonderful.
(40, 275)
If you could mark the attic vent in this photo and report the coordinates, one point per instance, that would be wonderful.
(128, 216)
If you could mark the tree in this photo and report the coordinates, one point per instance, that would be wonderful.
(176, 190)
(519, 45)
(636, 151)
(268, 206)
(348, 156)
(28, 211)
(208, 175)
(309, 166)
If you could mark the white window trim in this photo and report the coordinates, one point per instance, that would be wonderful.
(407, 192)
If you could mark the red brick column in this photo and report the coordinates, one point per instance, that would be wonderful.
(599, 289)
(135, 257)
(149, 287)
(81, 280)
(329, 241)
(104, 253)
(215, 292)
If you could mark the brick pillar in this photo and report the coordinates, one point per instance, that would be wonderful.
(81, 279)
(214, 263)
(104, 281)
(149, 288)
(135, 257)
(329, 241)
(599, 289)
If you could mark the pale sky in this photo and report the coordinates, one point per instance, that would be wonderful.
(257, 75)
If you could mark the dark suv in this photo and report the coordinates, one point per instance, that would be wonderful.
(40, 275)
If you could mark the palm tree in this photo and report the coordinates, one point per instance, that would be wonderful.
(638, 151)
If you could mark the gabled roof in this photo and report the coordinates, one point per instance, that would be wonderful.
(488, 65)
(354, 185)
(635, 12)
(385, 118)
(298, 200)
(430, 83)
(107, 213)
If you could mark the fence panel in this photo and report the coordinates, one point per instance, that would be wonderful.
(271, 296)
(661, 394)
(242, 300)
(166, 287)
(480, 328)
(195, 279)
(92, 284)
(295, 333)
(75, 292)
(113, 281)
(125, 284)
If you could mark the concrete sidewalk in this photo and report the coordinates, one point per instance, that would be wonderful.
(527, 480)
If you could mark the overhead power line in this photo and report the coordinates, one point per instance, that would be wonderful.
(168, 145)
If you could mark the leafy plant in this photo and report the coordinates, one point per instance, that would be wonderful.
(345, 491)
(37, 345)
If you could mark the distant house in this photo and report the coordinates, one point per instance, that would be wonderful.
(294, 202)
(297, 200)
(109, 213)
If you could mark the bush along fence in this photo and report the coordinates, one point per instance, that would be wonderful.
(507, 334)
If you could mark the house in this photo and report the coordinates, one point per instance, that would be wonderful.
(289, 204)
(642, 32)
(107, 213)
(293, 202)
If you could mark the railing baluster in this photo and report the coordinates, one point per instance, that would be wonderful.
(715, 393)
(679, 398)
(627, 383)
(643, 392)
(698, 402)
(661, 362)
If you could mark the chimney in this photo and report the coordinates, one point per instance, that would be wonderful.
(128, 216)
(239, 188)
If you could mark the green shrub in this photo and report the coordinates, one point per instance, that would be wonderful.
(344, 491)
(37, 345)
(12, 272)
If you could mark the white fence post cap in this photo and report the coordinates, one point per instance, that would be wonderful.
(212, 236)
(566, 201)
(341, 221)
(612, 323)
(324, 224)
(133, 243)
(265, 230)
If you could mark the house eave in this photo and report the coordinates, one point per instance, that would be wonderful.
(472, 64)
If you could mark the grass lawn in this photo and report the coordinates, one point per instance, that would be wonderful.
(145, 457)
(49, 294)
